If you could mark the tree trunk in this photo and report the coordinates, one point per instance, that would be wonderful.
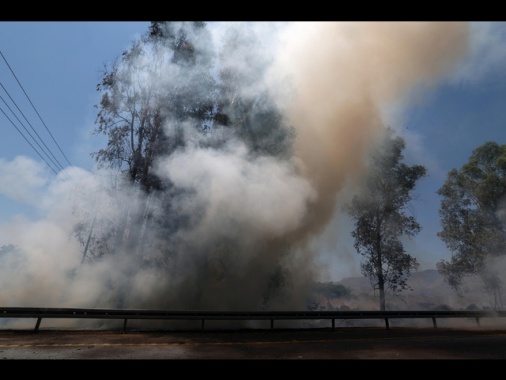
(379, 270)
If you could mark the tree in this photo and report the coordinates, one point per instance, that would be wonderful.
(245, 104)
(167, 94)
(157, 91)
(472, 217)
(164, 78)
(379, 211)
(161, 86)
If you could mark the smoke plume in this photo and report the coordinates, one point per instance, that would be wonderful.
(253, 219)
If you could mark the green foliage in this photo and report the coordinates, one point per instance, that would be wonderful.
(159, 87)
(379, 211)
(331, 290)
(472, 215)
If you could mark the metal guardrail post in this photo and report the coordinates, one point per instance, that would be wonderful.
(478, 321)
(333, 323)
(124, 325)
(386, 324)
(434, 323)
(38, 324)
(272, 324)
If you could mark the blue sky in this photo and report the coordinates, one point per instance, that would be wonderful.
(59, 65)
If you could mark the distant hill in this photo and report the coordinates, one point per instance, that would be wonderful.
(430, 291)
(423, 282)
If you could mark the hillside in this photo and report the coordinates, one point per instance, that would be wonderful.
(430, 291)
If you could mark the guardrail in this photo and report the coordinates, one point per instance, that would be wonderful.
(125, 315)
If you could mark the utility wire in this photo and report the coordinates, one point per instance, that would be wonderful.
(35, 108)
(60, 167)
(29, 142)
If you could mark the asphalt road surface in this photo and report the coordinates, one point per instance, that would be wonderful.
(272, 344)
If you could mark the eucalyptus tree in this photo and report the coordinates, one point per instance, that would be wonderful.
(175, 94)
(160, 85)
(473, 219)
(151, 96)
(380, 213)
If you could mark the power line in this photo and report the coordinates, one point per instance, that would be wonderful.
(57, 163)
(35, 111)
(28, 142)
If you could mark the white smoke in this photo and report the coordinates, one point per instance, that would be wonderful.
(262, 195)
(333, 81)
(26, 187)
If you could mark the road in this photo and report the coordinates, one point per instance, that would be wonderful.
(278, 344)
